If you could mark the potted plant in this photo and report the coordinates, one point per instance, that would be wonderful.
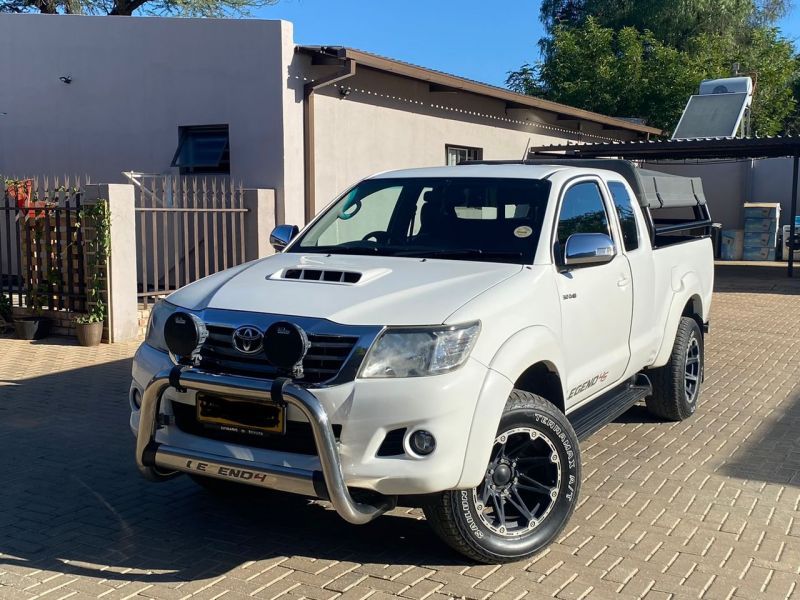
(89, 326)
(35, 327)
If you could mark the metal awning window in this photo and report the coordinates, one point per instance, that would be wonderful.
(458, 154)
(203, 149)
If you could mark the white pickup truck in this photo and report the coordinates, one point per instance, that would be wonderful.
(441, 338)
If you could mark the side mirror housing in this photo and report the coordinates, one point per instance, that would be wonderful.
(282, 235)
(587, 249)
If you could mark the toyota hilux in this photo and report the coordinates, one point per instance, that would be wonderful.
(441, 338)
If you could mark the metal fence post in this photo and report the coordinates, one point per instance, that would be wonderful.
(259, 222)
(123, 320)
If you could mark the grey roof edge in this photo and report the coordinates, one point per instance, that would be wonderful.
(405, 69)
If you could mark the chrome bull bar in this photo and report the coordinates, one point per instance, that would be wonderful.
(161, 461)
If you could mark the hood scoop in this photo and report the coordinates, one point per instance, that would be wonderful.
(327, 275)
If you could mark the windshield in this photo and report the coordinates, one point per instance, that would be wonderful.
(458, 218)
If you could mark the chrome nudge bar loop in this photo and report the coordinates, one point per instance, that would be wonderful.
(160, 461)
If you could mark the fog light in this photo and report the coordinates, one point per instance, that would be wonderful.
(422, 442)
(184, 334)
(136, 398)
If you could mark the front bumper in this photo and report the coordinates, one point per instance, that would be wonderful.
(157, 460)
(366, 410)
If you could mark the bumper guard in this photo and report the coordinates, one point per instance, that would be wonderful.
(160, 461)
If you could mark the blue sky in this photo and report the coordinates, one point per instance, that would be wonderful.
(479, 39)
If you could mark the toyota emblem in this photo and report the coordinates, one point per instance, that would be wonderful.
(248, 340)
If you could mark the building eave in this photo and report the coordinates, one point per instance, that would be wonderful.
(453, 82)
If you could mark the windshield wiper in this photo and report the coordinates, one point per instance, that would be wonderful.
(456, 252)
(343, 250)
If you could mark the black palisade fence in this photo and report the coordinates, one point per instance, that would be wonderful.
(42, 262)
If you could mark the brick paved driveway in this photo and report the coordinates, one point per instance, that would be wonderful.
(707, 508)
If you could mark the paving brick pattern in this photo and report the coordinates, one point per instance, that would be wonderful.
(709, 508)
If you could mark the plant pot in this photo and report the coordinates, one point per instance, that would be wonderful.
(89, 334)
(32, 328)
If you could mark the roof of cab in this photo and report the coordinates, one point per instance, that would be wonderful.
(500, 171)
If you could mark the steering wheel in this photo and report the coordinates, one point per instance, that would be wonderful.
(380, 237)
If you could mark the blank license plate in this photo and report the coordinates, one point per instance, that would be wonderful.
(240, 416)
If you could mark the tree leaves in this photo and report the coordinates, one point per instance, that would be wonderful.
(182, 8)
(613, 64)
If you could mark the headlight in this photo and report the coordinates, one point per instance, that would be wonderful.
(415, 352)
(155, 328)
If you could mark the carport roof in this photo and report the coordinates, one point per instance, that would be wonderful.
(753, 147)
(446, 81)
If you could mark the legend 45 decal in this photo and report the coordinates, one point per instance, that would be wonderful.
(587, 384)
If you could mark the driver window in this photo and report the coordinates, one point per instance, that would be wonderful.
(582, 211)
(374, 214)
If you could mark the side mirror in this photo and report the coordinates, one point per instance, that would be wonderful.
(587, 249)
(282, 235)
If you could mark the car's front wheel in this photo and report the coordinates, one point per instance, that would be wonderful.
(529, 490)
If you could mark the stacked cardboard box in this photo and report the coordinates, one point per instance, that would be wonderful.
(761, 221)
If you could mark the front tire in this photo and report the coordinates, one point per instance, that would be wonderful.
(676, 385)
(529, 491)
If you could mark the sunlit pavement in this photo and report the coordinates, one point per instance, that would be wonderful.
(707, 508)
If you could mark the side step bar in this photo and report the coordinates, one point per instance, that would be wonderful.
(607, 407)
(158, 461)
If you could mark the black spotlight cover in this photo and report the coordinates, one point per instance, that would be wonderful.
(285, 345)
(184, 334)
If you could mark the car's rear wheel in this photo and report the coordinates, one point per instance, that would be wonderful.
(676, 385)
(529, 490)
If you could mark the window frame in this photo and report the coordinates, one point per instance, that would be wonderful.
(632, 201)
(604, 196)
(223, 166)
(448, 147)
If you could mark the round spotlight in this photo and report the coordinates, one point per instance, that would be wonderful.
(285, 345)
(422, 442)
(184, 334)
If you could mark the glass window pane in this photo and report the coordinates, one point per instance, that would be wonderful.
(627, 218)
(203, 149)
(582, 211)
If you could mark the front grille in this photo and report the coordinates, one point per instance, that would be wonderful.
(298, 439)
(323, 362)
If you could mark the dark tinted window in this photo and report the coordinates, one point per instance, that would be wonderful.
(203, 149)
(627, 218)
(459, 218)
(582, 211)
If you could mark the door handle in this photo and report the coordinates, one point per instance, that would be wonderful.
(623, 281)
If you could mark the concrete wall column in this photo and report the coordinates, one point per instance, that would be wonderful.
(258, 223)
(122, 318)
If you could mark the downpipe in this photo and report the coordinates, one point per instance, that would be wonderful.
(160, 462)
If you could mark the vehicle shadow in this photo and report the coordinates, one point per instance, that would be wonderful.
(772, 453)
(73, 502)
(769, 278)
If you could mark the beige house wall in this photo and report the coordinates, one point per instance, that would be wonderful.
(389, 122)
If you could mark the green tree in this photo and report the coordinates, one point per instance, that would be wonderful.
(183, 8)
(627, 70)
(674, 22)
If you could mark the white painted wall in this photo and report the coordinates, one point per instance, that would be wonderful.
(135, 81)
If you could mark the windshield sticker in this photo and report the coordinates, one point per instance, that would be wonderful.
(523, 231)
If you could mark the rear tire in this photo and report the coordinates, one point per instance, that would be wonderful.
(529, 491)
(676, 385)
